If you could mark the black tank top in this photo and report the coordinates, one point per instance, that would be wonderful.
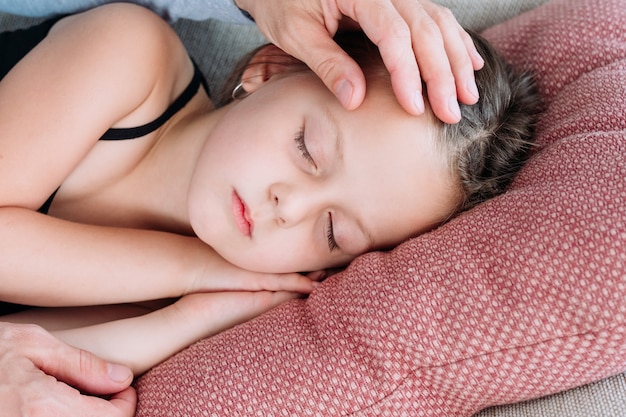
(14, 45)
(139, 131)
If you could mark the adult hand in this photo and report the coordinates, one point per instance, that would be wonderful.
(418, 40)
(35, 369)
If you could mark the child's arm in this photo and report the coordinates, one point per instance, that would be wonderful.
(142, 342)
(54, 105)
(93, 71)
(53, 262)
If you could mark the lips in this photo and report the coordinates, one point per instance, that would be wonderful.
(242, 220)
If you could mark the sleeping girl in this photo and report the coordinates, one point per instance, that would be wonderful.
(123, 183)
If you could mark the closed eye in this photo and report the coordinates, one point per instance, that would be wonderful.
(330, 236)
(301, 144)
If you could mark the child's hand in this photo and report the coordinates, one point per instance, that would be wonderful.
(221, 310)
(197, 316)
(141, 342)
(221, 275)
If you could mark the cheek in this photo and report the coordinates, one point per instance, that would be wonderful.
(280, 253)
(202, 213)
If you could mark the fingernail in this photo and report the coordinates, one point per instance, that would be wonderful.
(418, 101)
(479, 58)
(344, 92)
(119, 373)
(453, 106)
(473, 89)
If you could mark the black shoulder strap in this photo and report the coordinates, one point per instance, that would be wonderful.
(179, 103)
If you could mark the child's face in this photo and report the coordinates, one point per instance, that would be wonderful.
(374, 178)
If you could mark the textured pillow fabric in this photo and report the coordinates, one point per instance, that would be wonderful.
(520, 297)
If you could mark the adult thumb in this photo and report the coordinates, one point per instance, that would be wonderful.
(76, 367)
(337, 70)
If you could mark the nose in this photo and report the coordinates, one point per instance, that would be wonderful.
(294, 205)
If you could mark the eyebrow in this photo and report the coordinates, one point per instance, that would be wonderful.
(330, 118)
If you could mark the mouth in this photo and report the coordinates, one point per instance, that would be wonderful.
(242, 218)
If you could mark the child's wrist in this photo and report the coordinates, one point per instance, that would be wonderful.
(198, 267)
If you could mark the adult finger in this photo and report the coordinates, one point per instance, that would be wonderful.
(304, 29)
(337, 70)
(31, 391)
(383, 25)
(73, 366)
(69, 404)
(434, 62)
(125, 402)
(461, 52)
(62, 400)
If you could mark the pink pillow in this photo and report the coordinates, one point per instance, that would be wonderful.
(521, 297)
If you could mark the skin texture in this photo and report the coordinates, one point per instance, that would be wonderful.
(28, 354)
(181, 181)
(118, 200)
(375, 193)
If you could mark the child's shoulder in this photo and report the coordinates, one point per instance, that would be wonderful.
(124, 26)
(122, 16)
(127, 38)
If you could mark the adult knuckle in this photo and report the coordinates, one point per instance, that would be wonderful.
(465, 36)
(285, 34)
(326, 67)
(428, 29)
(464, 66)
(85, 362)
(399, 31)
(443, 15)
(22, 333)
(440, 77)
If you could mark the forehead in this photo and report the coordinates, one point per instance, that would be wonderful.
(394, 178)
(401, 182)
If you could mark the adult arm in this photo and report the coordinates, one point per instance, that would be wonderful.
(42, 376)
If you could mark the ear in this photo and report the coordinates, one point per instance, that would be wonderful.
(267, 61)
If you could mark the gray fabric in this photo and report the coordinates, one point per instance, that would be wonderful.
(227, 42)
(606, 398)
(217, 47)
(474, 14)
(172, 10)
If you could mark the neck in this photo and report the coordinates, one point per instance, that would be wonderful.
(167, 170)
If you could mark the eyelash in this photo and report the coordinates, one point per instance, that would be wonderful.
(302, 147)
(330, 236)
